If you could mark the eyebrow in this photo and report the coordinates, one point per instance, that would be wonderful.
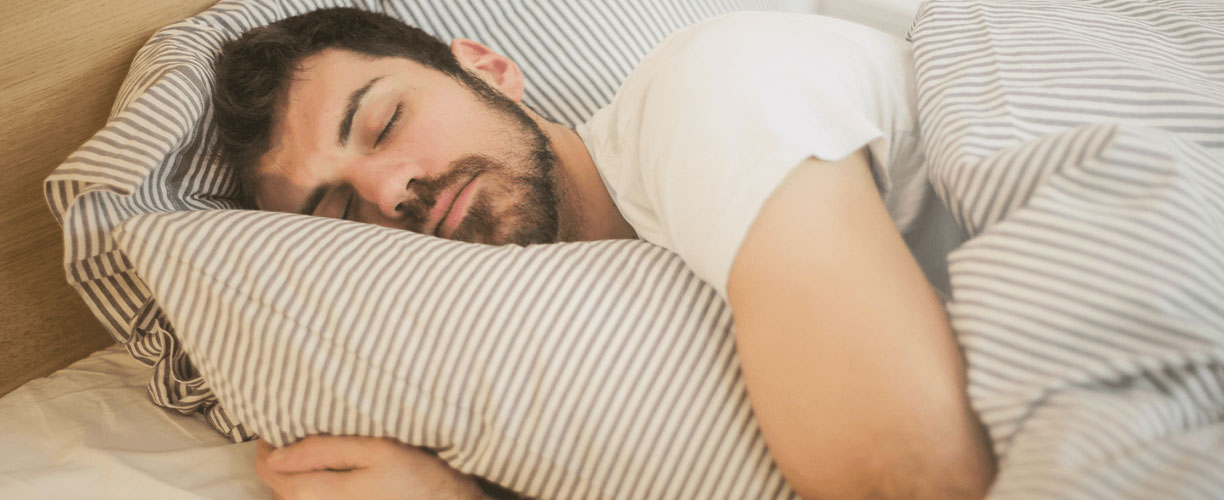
(346, 125)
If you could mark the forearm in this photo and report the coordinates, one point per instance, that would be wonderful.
(852, 370)
(876, 417)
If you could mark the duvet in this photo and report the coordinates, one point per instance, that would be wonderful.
(1080, 146)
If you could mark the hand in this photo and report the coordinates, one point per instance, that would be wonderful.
(339, 467)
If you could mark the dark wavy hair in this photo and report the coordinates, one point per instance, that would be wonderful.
(253, 71)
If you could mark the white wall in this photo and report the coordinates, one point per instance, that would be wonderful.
(891, 16)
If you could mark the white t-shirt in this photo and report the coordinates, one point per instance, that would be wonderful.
(714, 118)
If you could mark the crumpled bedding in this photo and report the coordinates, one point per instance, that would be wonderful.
(88, 431)
(1080, 146)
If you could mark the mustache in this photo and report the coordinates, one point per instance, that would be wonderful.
(427, 191)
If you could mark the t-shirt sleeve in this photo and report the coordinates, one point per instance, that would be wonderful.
(722, 128)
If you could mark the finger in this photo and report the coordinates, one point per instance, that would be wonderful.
(262, 449)
(311, 485)
(317, 453)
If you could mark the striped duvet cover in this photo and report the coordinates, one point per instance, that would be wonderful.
(1080, 145)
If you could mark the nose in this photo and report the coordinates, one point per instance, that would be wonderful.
(384, 183)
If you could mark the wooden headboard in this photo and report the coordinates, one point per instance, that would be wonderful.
(61, 65)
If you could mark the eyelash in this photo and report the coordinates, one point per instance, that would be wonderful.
(348, 207)
(390, 123)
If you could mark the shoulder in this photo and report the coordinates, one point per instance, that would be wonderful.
(750, 38)
(759, 58)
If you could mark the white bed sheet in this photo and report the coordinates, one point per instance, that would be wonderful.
(90, 431)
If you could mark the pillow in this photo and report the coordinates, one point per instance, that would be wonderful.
(583, 370)
(156, 153)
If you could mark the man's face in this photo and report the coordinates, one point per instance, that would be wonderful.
(392, 142)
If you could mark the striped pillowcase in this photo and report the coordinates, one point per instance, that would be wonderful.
(156, 154)
(583, 370)
(1080, 145)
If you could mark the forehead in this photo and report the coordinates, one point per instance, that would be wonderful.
(320, 88)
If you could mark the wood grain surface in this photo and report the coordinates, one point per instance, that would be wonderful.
(61, 63)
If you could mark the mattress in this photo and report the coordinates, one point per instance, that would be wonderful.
(89, 431)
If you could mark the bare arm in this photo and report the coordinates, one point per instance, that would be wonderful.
(355, 467)
(849, 361)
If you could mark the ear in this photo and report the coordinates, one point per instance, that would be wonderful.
(496, 69)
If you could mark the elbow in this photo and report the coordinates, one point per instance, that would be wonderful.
(941, 475)
(932, 485)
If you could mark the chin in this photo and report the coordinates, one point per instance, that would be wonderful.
(521, 238)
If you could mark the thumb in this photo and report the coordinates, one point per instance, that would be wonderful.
(319, 452)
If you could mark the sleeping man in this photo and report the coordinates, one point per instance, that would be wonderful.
(774, 153)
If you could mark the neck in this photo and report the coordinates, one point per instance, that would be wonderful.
(587, 212)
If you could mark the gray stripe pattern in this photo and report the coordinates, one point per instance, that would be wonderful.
(1081, 147)
(156, 153)
(590, 370)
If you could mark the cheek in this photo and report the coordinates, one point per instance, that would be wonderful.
(508, 199)
(423, 131)
(504, 193)
(464, 129)
(425, 148)
(437, 144)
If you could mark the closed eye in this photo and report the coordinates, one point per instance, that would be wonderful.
(348, 206)
(390, 124)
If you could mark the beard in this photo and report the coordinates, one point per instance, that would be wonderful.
(516, 201)
(513, 205)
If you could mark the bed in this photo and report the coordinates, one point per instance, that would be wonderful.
(88, 431)
(1073, 417)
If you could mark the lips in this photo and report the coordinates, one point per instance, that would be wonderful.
(441, 213)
